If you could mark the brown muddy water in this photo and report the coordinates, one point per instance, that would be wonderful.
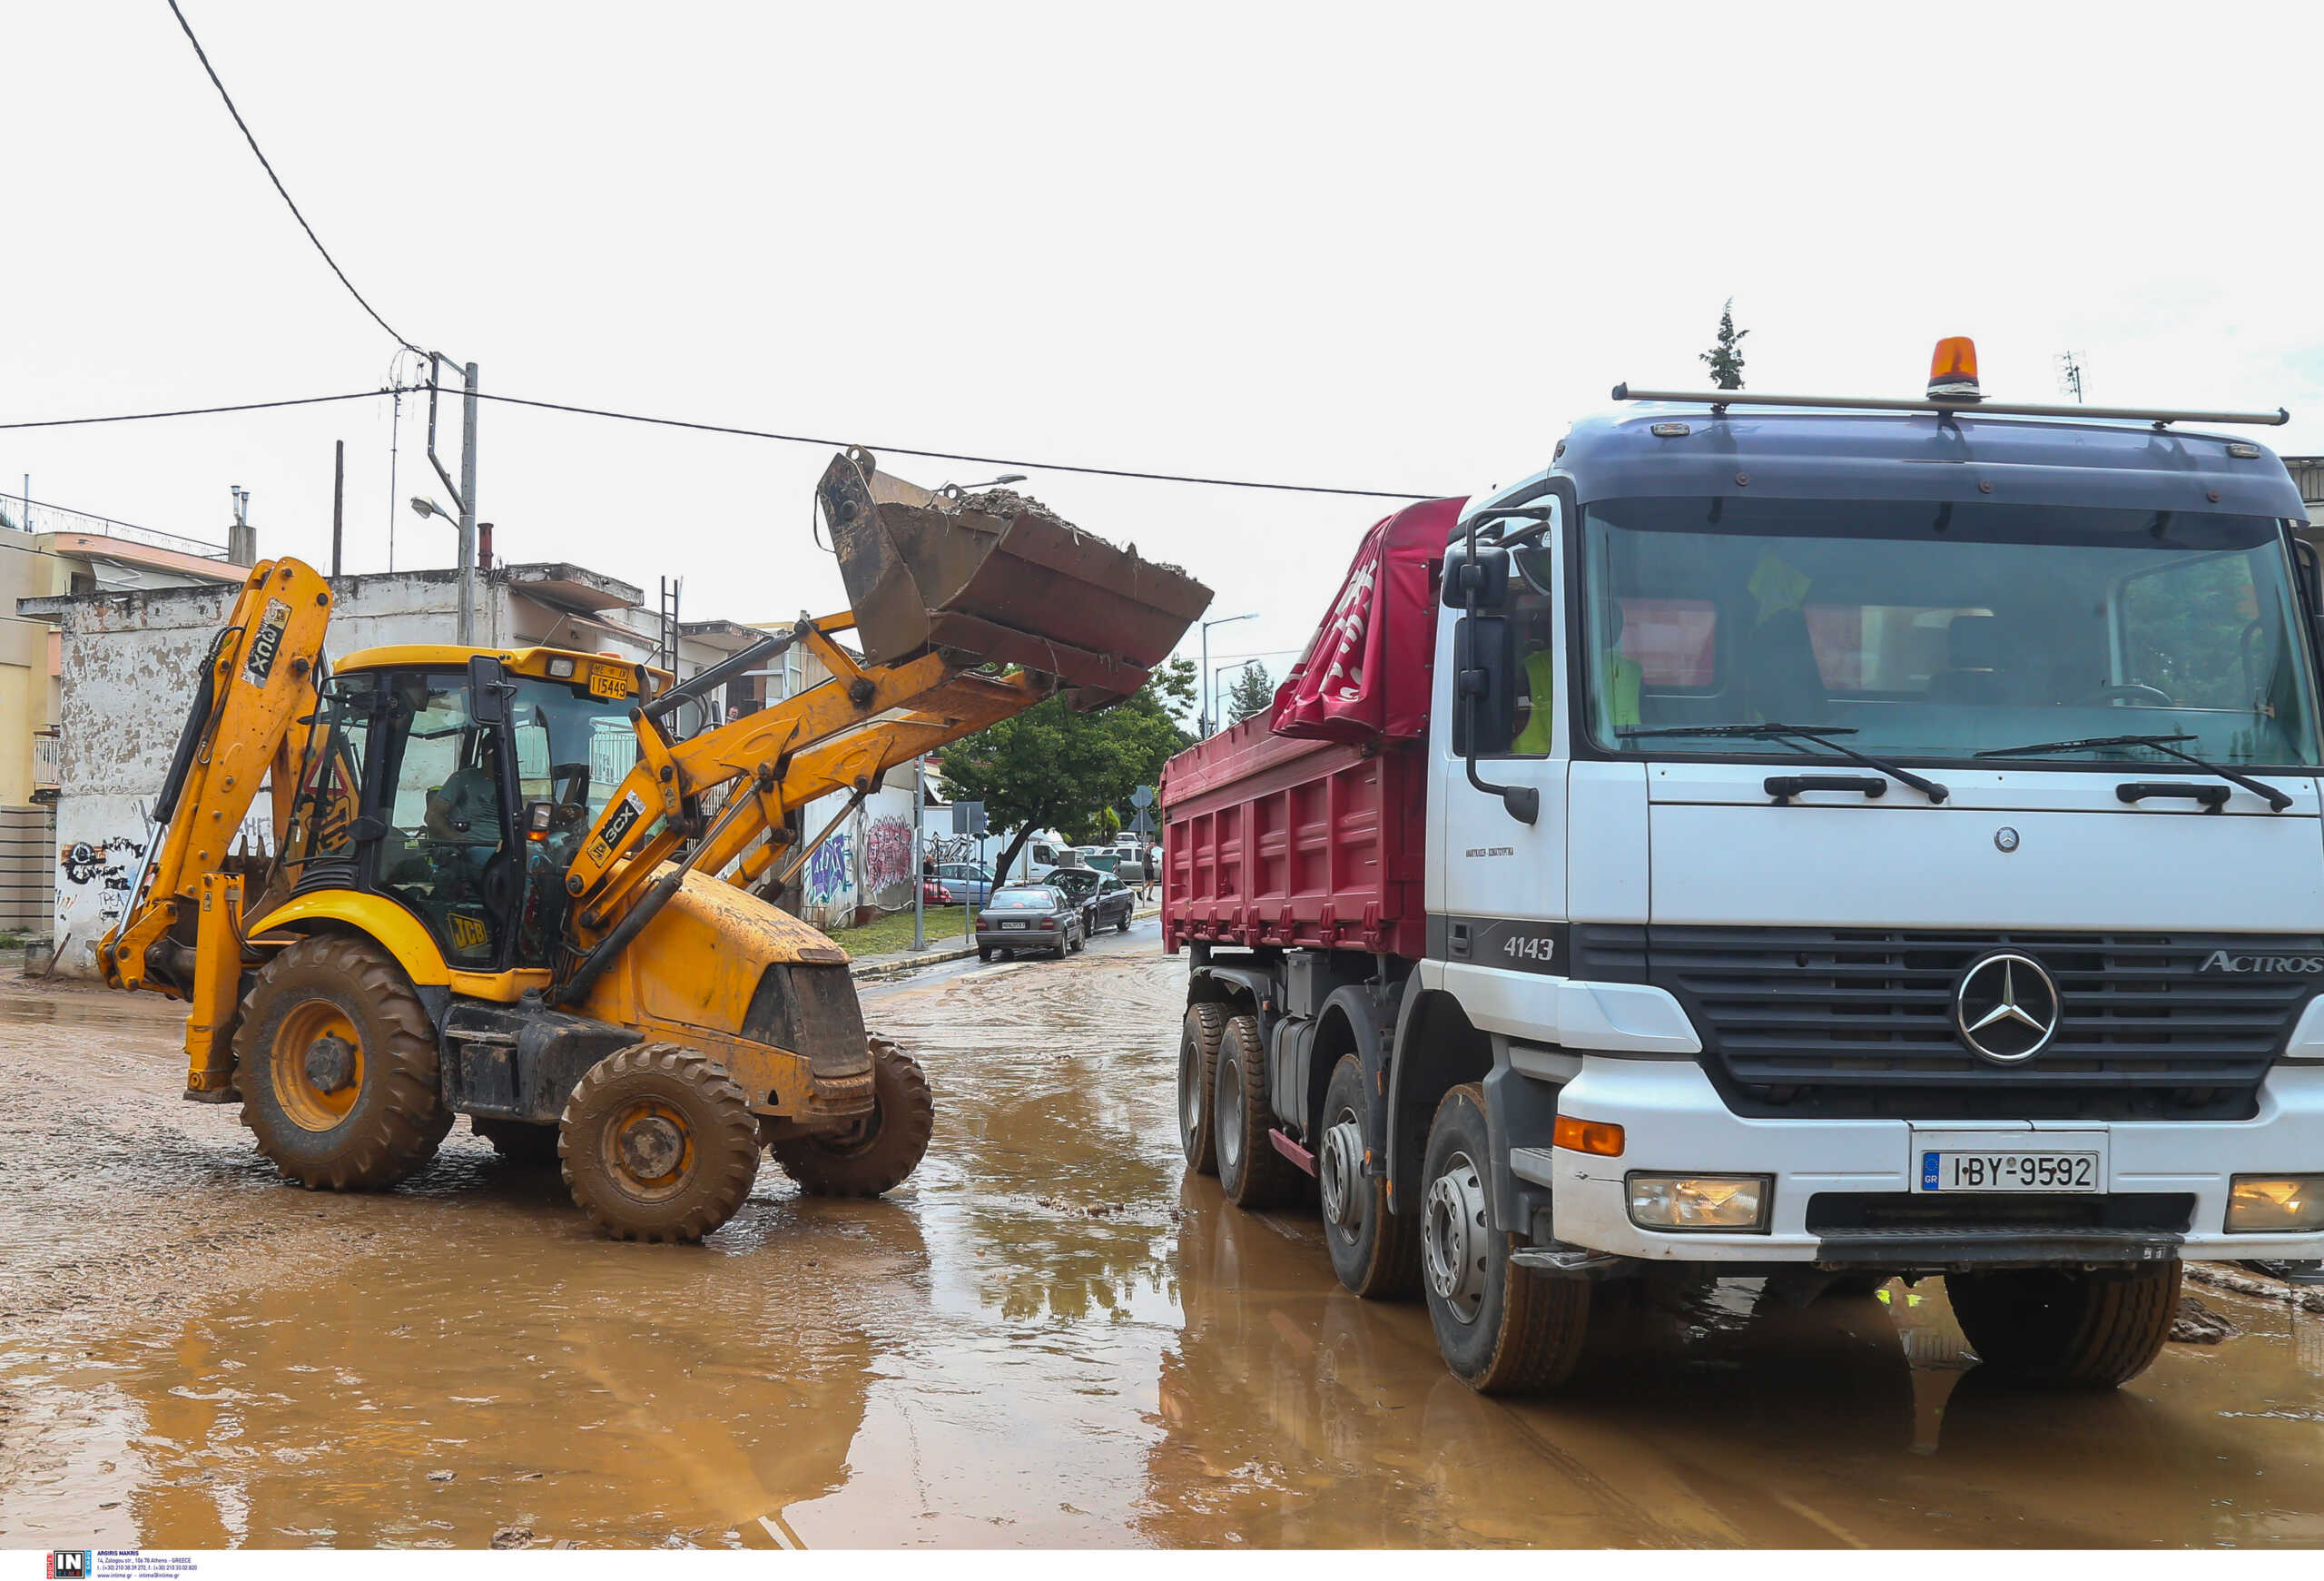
(1048, 1337)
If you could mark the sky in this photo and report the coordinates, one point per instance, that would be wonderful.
(1392, 248)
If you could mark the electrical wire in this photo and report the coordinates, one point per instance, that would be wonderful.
(67, 422)
(264, 164)
(710, 428)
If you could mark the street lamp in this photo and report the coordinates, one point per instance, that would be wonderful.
(1203, 696)
(424, 508)
(1230, 670)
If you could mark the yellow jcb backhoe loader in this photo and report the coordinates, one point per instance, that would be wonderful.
(503, 884)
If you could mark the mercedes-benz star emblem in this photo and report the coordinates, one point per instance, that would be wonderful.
(2006, 1008)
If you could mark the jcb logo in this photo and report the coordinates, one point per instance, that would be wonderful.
(469, 932)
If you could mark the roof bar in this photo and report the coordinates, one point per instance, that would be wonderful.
(1718, 398)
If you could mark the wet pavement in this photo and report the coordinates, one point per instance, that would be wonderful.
(1048, 1337)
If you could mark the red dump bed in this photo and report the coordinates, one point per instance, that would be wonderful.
(1305, 826)
(1269, 840)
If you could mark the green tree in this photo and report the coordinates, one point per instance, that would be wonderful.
(1726, 354)
(1050, 767)
(1253, 693)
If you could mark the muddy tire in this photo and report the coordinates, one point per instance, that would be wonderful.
(1501, 1328)
(2052, 1328)
(519, 1143)
(1376, 1253)
(882, 1149)
(1198, 1037)
(336, 1060)
(1250, 1172)
(658, 1144)
(985, 955)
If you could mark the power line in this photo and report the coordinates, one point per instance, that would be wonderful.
(712, 428)
(277, 179)
(709, 428)
(67, 422)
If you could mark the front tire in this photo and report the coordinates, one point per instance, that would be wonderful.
(1501, 1328)
(1250, 1172)
(336, 1060)
(658, 1144)
(882, 1149)
(2054, 1329)
(1375, 1253)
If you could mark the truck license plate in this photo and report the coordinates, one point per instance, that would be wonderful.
(1989, 1170)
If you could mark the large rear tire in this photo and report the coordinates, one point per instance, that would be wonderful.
(1502, 1329)
(1198, 1037)
(880, 1150)
(2064, 1329)
(1376, 1253)
(658, 1144)
(1250, 1172)
(336, 1060)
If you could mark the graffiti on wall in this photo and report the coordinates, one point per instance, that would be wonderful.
(887, 853)
(94, 877)
(827, 870)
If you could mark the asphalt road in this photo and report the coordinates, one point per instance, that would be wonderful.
(1050, 1336)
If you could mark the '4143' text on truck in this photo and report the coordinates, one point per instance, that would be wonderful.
(1825, 840)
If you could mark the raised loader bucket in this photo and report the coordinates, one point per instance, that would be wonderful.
(994, 578)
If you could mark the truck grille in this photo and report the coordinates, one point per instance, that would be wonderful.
(1858, 1022)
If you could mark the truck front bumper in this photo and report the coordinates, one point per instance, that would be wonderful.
(1674, 1122)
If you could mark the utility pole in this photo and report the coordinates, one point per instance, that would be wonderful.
(919, 854)
(467, 511)
(338, 506)
(2070, 375)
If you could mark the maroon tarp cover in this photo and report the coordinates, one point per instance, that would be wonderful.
(1365, 673)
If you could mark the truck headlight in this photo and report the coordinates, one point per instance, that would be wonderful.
(1729, 1203)
(2282, 1204)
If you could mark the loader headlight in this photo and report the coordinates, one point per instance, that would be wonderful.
(2281, 1204)
(560, 670)
(1735, 1203)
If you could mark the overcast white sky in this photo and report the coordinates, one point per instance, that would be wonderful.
(1382, 247)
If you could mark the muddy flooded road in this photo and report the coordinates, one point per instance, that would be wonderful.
(1048, 1337)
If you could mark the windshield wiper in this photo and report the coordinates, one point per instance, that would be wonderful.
(2277, 801)
(1784, 735)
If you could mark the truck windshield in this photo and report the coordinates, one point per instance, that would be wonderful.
(1935, 631)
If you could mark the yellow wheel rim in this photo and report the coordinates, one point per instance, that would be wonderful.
(648, 1150)
(316, 1087)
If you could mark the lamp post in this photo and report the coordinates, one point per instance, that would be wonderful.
(1203, 694)
(1230, 670)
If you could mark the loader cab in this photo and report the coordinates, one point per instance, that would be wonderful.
(460, 791)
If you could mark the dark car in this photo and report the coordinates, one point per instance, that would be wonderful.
(1030, 916)
(1104, 899)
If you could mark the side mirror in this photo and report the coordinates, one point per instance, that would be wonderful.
(489, 689)
(1486, 575)
(1485, 686)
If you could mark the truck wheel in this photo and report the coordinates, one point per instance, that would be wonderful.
(1198, 1038)
(1376, 1253)
(881, 1149)
(336, 1060)
(519, 1142)
(2059, 1328)
(658, 1144)
(1251, 1172)
(1502, 1329)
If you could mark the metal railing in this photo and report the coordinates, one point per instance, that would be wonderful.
(33, 516)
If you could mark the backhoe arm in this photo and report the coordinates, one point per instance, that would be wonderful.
(257, 683)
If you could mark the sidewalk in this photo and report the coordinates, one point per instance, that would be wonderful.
(895, 963)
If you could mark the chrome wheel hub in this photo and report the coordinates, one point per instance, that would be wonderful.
(1229, 1120)
(1340, 1172)
(1453, 1238)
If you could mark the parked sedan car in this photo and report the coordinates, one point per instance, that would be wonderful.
(1030, 916)
(1103, 897)
(935, 891)
(966, 880)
